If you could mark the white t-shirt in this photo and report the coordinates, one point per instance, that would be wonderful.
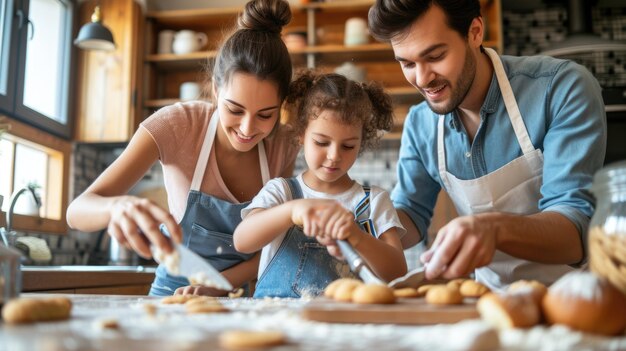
(276, 192)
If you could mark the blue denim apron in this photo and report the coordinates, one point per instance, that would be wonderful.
(303, 266)
(208, 223)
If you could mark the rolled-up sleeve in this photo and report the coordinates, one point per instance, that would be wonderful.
(416, 191)
(574, 146)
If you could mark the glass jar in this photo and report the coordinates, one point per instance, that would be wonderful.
(10, 274)
(607, 230)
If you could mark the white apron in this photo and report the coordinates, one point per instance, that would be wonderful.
(513, 188)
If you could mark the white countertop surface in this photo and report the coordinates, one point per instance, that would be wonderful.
(173, 329)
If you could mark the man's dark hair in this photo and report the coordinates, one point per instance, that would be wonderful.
(389, 19)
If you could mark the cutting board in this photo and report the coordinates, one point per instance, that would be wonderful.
(404, 311)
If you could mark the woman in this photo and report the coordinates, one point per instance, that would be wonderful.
(215, 157)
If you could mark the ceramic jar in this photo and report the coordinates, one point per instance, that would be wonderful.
(356, 32)
(187, 41)
(166, 39)
(10, 274)
(352, 71)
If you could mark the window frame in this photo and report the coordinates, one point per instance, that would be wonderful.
(14, 99)
(8, 61)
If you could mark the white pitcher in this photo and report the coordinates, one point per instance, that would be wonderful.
(186, 41)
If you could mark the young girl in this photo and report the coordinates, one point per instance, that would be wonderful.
(335, 119)
(215, 157)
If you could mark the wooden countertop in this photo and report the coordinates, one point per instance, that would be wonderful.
(171, 328)
(34, 280)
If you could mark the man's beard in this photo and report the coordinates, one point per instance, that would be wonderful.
(462, 89)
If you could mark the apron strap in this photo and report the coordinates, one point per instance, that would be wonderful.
(205, 152)
(265, 170)
(441, 153)
(509, 102)
(203, 158)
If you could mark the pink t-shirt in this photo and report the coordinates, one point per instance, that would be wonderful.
(179, 131)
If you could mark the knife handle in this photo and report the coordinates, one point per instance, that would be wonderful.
(354, 260)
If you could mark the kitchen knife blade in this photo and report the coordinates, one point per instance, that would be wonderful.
(193, 267)
(409, 280)
(356, 263)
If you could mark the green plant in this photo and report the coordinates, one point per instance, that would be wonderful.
(33, 186)
(4, 125)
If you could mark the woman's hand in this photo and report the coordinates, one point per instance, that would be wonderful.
(200, 290)
(135, 223)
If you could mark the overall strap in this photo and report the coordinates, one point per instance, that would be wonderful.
(362, 210)
(363, 205)
(294, 188)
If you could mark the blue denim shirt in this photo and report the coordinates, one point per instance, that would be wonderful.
(562, 108)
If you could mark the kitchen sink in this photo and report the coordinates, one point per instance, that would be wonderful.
(138, 269)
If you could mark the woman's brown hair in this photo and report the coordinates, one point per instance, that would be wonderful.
(256, 47)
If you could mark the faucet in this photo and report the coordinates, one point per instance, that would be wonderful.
(4, 232)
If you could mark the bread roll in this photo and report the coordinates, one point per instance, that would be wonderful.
(29, 310)
(373, 294)
(345, 289)
(537, 289)
(509, 310)
(586, 302)
(332, 287)
(472, 288)
(444, 295)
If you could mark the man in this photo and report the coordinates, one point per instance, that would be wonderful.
(514, 141)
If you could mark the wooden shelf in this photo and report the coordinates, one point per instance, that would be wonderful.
(173, 62)
(195, 17)
(158, 103)
(325, 22)
(337, 6)
(392, 136)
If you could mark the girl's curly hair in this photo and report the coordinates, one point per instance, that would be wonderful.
(311, 93)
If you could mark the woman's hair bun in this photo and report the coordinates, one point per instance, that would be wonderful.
(265, 15)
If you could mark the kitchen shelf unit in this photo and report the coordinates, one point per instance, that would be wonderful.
(324, 23)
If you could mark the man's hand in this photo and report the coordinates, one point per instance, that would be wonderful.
(461, 246)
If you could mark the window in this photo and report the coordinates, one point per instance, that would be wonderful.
(31, 156)
(35, 57)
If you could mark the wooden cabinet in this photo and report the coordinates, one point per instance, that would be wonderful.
(324, 23)
(108, 82)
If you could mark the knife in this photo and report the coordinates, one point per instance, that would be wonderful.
(410, 280)
(357, 265)
(193, 267)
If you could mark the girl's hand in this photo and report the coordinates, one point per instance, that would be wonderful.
(135, 223)
(200, 290)
(337, 222)
(331, 246)
(306, 212)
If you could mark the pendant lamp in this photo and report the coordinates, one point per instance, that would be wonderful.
(94, 35)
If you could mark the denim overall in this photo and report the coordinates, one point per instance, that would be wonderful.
(208, 223)
(303, 266)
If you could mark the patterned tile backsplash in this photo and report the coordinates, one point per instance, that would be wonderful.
(531, 32)
(525, 33)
